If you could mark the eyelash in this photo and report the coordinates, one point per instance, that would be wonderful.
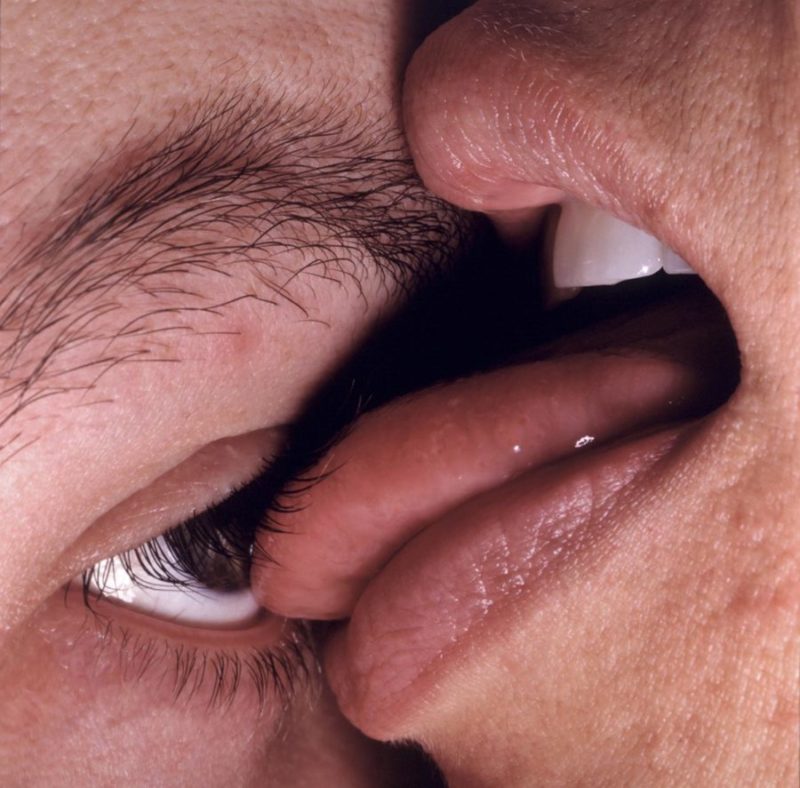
(227, 531)
(273, 674)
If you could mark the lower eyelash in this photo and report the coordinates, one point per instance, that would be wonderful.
(213, 676)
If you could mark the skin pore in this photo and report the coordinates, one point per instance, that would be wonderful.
(204, 210)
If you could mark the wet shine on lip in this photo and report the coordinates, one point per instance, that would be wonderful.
(446, 505)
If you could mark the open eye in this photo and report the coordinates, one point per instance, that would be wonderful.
(197, 573)
(154, 580)
(180, 605)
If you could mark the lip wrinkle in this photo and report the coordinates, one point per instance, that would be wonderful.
(510, 547)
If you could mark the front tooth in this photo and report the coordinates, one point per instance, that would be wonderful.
(595, 248)
(674, 264)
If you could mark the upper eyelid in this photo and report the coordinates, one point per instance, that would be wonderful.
(257, 502)
(177, 562)
(197, 483)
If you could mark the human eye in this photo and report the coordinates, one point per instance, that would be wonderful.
(178, 608)
(195, 574)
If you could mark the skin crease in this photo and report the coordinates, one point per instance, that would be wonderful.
(670, 660)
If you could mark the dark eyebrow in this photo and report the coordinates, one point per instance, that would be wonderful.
(222, 190)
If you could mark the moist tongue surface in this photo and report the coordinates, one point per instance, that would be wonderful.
(410, 462)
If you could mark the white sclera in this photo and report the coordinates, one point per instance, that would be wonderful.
(191, 606)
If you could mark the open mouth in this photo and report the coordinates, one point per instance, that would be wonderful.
(519, 414)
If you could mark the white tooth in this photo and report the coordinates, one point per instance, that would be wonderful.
(674, 264)
(594, 248)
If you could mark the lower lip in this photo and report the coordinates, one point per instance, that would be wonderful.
(513, 542)
(407, 465)
(447, 534)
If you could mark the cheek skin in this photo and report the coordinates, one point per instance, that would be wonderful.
(69, 685)
(673, 658)
(93, 722)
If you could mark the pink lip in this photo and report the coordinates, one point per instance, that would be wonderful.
(408, 464)
(471, 567)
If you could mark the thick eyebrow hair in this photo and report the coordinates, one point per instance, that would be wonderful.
(222, 190)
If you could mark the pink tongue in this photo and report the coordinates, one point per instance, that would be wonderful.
(410, 462)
